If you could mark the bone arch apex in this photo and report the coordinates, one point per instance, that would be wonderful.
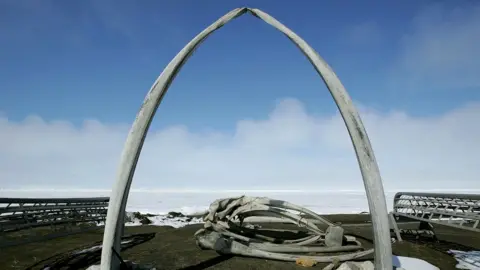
(134, 143)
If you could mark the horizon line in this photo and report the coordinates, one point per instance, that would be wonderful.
(150, 190)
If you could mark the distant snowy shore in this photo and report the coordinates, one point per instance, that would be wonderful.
(161, 202)
(173, 219)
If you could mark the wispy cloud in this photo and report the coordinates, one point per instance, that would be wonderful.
(441, 50)
(80, 23)
(138, 24)
(364, 34)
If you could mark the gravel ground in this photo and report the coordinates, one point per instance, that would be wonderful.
(169, 248)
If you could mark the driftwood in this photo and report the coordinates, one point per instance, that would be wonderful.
(227, 231)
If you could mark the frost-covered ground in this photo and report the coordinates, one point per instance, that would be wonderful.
(467, 259)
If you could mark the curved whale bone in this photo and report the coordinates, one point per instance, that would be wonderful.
(226, 232)
(114, 225)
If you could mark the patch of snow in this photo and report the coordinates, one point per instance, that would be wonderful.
(366, 265)
(409, 263)
(165, 220)
(467, 259)
(192, 210)
(161, 220)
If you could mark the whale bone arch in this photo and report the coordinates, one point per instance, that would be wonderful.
(368, 166)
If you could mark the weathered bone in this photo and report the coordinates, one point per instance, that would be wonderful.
(222, 234)
(216, 241)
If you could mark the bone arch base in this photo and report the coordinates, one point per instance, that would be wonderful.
(133, 145)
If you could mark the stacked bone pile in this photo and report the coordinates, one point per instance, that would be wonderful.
(231, 227)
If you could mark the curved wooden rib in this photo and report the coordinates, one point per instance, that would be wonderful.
(366, 159)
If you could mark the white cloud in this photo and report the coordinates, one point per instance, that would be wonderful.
(289, 149)
(441, 50)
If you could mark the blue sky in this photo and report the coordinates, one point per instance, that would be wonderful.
(92, 59)
(95, 60)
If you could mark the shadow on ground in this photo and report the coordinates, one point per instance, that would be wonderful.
(84, 257)
(208, 263)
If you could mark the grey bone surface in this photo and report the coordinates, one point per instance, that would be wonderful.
(134, 143)
(215, 241)
(219, 227)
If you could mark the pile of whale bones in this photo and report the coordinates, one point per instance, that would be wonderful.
(230, 228)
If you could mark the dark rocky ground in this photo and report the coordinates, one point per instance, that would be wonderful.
(169, 248)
